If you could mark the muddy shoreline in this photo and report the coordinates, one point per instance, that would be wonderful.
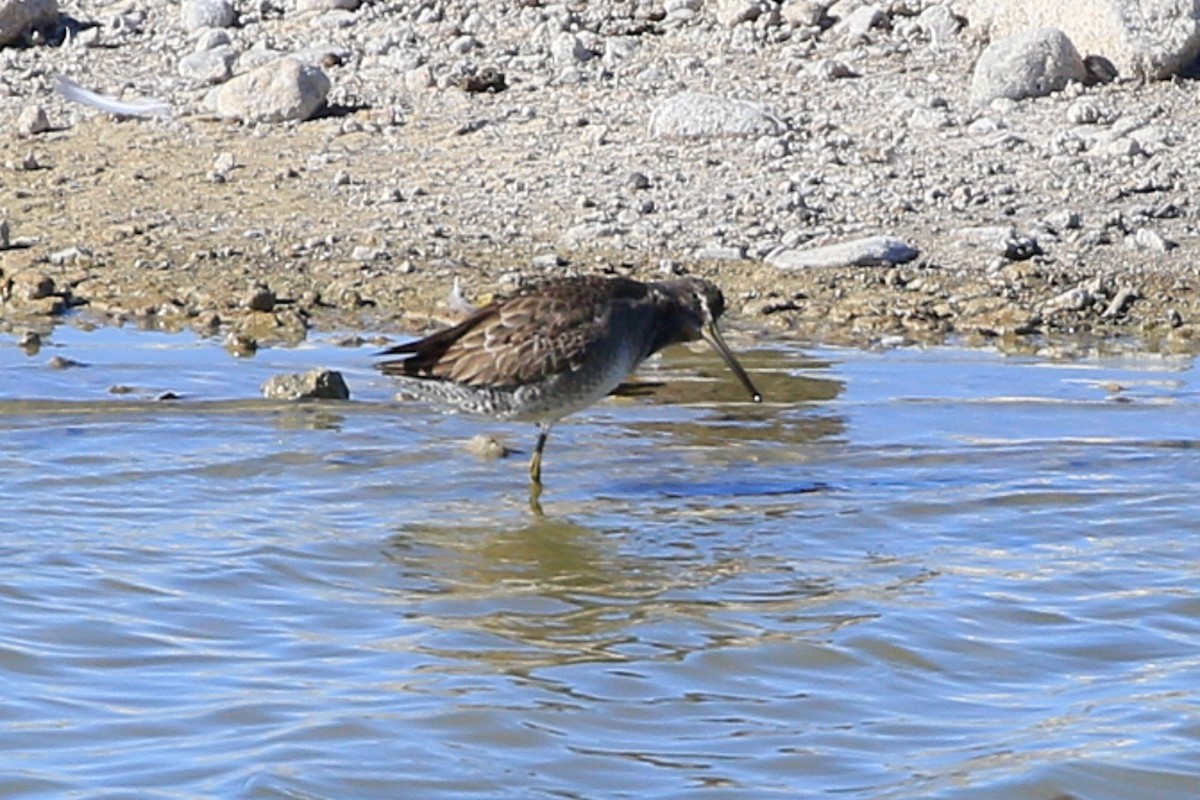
(1033, 224)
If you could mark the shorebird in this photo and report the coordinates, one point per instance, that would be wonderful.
(558, 346)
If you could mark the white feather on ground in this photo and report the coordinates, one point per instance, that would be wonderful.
(139, 108)
(458, 303)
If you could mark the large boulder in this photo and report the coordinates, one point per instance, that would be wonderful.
(1146, 38)
(286, 89)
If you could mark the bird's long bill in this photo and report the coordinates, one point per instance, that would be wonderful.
(712, 335)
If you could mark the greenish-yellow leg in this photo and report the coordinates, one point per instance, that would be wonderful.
(535, 463)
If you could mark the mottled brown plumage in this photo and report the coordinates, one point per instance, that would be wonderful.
(558, 346)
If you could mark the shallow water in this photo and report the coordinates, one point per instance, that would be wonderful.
(909, 574)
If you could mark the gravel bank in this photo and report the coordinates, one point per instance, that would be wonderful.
(491, 143)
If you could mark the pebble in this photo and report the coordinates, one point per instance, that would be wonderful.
(261, 298)
(30, 342)
(32, 121)
(208, 66)
(327, 5)
(197, 14)
(241, 345)
(488, 447)
(317, 384)
(62, 362)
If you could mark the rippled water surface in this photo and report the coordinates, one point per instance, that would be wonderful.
(939, 574)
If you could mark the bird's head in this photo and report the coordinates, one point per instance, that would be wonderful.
(700, 305)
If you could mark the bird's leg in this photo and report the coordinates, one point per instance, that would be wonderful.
(535, 463)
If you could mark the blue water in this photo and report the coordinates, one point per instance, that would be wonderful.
(943, 573)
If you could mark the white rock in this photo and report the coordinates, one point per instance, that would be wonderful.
(1029, 64)
(939, 24)
(1083, 111)
(18, 17)
(696, 115)
(208, 66)
(32, 121)
(735, 12)
(619, 48)
(327, 5)
(286, 89)
(212, 38)
(418, 79)
(197, 14)
(802, 13)
(1151, 38)
(858, 22)
(568, 50)
(1151, 240)
(873, 251)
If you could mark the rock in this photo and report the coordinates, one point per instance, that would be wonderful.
(208, 66)
(198, 14)
(30, 342)
(19, 17)
(1029, 64)
(70, 255)
(735, 12)
(32, 121)
(568, 50)
(488, 447)
(858, 22)
(488, 80)
(696, 115)
(1150, 240)
(30, 285)
(261, 298)
(1117, 305)
(803, 13)
(1075, 299)
(211, 39)
(317, 384)
(1083, 111)
(418, 79)
(62, 362)
(281, 91)
(327, 5)
(1148, 38)
(873, 251)
(939, 23)
(240, 344)
(5, 234)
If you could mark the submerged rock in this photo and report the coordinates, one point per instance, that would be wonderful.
(317, 384)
